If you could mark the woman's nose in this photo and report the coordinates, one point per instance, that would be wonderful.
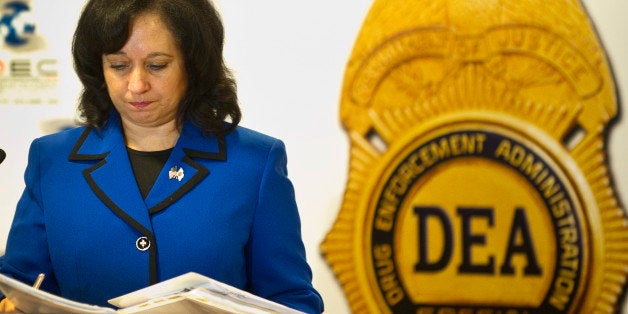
(138, 82)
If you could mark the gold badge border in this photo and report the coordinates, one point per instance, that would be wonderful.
(344, 244)
(377, 51)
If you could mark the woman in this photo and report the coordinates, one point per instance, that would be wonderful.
(160, 180)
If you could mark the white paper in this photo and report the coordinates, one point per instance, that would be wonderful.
(193, 284)
(188, 293)
(30, 300)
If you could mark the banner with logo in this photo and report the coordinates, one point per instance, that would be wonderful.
(351, 159)
(37, 85)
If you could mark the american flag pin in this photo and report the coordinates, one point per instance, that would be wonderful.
(175, 173)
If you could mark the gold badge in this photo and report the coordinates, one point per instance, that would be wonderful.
(478, 180)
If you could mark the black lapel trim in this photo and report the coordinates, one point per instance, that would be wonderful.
(202, 173)
(126, 218)
(220, 155)
(74, 155)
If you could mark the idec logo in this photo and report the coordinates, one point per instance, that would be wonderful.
(29, 68)
(16, 24)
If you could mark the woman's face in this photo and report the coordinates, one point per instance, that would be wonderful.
(146, 79)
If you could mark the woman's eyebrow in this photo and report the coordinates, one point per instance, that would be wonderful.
(159, 54)
(150, 55)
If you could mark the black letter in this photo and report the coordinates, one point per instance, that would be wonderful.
(520, 223)
(469, 239)
(423, 264)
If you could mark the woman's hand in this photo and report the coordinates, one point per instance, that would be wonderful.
(7, 306)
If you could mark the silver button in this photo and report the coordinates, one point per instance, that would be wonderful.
(142, 243)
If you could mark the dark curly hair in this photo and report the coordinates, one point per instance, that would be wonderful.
(210, 100)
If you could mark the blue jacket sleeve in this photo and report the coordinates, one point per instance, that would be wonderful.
(278, 269)
(27, 252)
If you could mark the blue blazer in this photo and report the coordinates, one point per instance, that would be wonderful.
(232, 216)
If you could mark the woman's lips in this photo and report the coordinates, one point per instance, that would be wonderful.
(140, 104)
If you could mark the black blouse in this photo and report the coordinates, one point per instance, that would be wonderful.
(146, 167)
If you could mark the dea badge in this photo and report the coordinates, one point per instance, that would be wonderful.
(478, 179)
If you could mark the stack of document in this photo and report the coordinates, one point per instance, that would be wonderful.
(188, 293)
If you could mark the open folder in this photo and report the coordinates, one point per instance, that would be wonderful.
(188, 293)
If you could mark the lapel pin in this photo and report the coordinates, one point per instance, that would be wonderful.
(174, 173)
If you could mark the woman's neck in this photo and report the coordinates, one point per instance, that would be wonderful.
(150, 139)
